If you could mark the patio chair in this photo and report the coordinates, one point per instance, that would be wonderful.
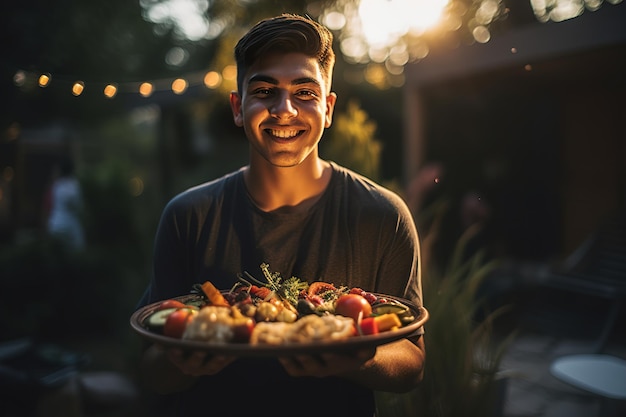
(597, 269)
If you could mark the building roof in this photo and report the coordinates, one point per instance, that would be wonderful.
(519, 46)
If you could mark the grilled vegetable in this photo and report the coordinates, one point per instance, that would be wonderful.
(368, 326)
(156, 321)
(399, 309)
(214, 295)
(387, 322)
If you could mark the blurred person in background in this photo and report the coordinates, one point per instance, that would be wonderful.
(65, 206)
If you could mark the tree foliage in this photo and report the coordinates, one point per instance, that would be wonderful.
(103, 42)
(351, 142)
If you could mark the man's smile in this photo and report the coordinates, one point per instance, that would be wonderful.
(284, 133)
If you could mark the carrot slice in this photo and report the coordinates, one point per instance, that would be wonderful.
(214, 295)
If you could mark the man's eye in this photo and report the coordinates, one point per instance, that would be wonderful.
(262, 91)
(306, 94)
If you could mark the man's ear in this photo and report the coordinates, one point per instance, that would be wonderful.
(235, 106)
(331, 99)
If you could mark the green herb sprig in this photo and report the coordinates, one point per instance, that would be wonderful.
(287, 290)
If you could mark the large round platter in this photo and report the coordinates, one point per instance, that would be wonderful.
(139, 317)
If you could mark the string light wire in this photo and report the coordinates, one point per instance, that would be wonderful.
(210, 79)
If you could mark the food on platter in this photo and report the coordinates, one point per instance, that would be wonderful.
(276, 313)
(219, 324)
(311, 328)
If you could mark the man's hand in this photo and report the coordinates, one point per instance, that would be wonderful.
(326, 364)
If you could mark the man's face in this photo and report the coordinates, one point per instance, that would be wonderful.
(284, 107)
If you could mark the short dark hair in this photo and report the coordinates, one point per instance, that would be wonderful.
(286, 33)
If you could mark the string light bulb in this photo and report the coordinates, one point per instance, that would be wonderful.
(146, 89)
(212, 79)
(110, 91)
(77, 88)
(44, 80)
(179, 86)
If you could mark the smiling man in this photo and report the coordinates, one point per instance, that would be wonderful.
(306, 217)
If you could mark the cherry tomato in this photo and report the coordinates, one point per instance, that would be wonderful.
(353, 305)
(371, 298)
(177, 321)
(357, 290)
(171, 304)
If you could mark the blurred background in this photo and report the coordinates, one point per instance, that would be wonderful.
(501, 122)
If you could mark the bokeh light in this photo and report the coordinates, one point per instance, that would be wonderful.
(19, 78)
(44, 80)
(560, 10)
(146, 89)
(78, 88)
(229, 72)
(397, 32)
(110, 91)
(186, 17)
(179, 86)
(212, 79)
(136, 185)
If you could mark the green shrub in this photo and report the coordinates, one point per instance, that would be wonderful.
(462, 358)
(351, 142)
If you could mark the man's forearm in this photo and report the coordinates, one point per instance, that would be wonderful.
(397, 367)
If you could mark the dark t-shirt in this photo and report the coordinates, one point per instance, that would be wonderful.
(357, 234)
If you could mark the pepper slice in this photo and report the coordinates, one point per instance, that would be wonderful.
(368, 326)
(214, 295)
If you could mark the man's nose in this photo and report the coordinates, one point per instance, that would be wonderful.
(283, 107)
